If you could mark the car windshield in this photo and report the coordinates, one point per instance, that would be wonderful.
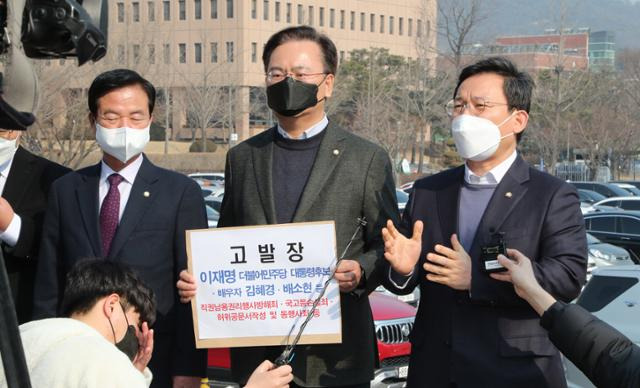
(592, 239)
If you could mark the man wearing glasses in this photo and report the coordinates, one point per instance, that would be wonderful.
(471, 329)
(306, 168)
(128, 210)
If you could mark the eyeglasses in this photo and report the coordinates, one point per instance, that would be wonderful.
(476, 106)
(275, 76)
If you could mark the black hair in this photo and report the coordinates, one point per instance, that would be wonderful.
(297, 33)
(116, 79)
(518, 85)
(92, 279)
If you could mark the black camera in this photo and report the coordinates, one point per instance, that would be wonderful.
(490, 252)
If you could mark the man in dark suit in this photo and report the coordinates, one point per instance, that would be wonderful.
(309, 169)
(472, 330)
(127, 210)
(25, 180)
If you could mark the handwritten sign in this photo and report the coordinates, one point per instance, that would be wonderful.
(256, 282)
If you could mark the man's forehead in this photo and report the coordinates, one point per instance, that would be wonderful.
(292, 55)
(483, 85)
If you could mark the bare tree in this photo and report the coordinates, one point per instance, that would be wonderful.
(458, 20)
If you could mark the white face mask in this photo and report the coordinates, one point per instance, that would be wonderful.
(122, 143)
(7, 149)
(476, 138)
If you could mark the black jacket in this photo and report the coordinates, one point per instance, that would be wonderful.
(603, 354)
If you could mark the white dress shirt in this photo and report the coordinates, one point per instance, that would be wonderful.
(128, 173)
(311, 132)
(12, 234)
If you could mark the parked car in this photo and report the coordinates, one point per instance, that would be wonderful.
(627, 186)
(214, 201)
(212, 216)
(403, 198)
(601, 254)
(413, 298)
(393, 321)
(633, 183)
(407, 187)
(624, 203)
(590, 196)
(621, 228)
(613, 295)
(208, 178)
(606, 189)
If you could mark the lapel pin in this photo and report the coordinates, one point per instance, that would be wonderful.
(146, 194)
(336, 152)
(508, 194)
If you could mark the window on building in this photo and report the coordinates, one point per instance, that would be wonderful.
(288, 12)
(265, 10)
(352, 20)
(372, 23)
(428, 28)
(136, 53)
(391, 25)
(135, 11)
(321, 17)
(410, 27)
(166, 53)
(254, 52)
(300, 14)
(400, 26)
(120, 56)
(213, 47)
(197, 9)
(277, 12)
(342, 19)
(120, 12)
(151, 9)
(254, 9)
(341, 56)
(229, 9)
(182, 10)
(332, 18)
(362, 21)
(382, 24)
(230, 52)
(151, 50)
(419, 28)
(166, 10)
(311, 15)
(197, 48)
(182, 53)
(214, 9)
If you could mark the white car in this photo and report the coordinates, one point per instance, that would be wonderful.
(624, 203)
(208, 178)
(613, 295)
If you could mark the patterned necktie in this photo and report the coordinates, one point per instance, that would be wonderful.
(109, 212)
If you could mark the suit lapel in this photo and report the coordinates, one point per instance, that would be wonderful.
(262, 166)
(88, 200)
(329, 152)
(141, 197)
(18, 178)
(448, 198)
(505, 198)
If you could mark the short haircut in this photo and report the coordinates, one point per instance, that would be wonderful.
(116, 79)
(518, 85)
(92, 279)
(329, 52)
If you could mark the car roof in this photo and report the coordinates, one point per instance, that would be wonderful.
(628, 198)
(632, 213)
(618, 270)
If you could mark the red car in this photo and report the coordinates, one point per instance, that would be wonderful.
(393, 322)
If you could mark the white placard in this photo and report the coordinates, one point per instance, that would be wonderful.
(254, 283)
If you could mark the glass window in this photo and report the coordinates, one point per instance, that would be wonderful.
(288, 12)
(182, 10)
(352, 20)
(410, 27)
(362, 21)
(372, 23)
(603, 224)
(341, 56)
(265, 10)
(166, 53)
(277, 11)
(254, 9)
(419, 28)
(197, 9)
(342, 19)
(310, 15)
(152, 53)
(136, 53)
(400, 26)
(254, 52)
(198, 52)
(120, 56)
(230, 9)
(332, 18)
(151, 9)
(602, 290)
(230, 52)
(628, 225)
(300, 14)
(166, 10)
(391, 25)
(120, 12)
(630, 205)
(321, 17)
(382, 24)
(135, 10)
(182, 53)
(214, 52)
(214, 9)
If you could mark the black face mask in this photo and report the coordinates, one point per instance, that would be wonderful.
(290, 97)
(129, 343)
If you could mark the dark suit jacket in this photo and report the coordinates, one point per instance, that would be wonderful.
(350, 178)
(26, 190)
(489, 337)
(150, 238)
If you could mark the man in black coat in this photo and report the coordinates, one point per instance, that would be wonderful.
(25, 180)
(470, 329)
